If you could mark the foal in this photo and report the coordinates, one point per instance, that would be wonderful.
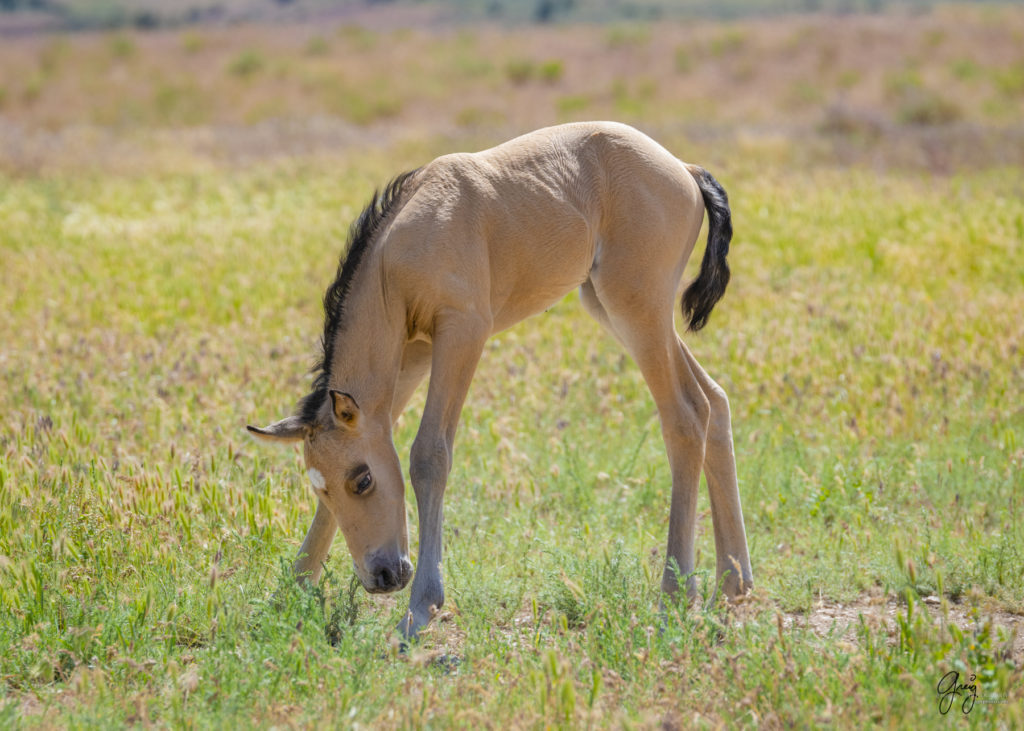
(467, 246)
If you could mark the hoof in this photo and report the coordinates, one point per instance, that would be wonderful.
(446, 663)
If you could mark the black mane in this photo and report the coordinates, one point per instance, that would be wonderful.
(360, 236)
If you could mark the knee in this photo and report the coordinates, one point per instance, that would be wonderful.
(700, 413)
(717, 398)
(720, 421)
(691, 428)
(719, 402)
(429, 462)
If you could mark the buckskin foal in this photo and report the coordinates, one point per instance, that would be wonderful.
(468, 245)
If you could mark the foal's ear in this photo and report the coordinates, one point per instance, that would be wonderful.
(291, 429)
(346, 411)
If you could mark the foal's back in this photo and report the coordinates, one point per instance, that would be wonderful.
(515, 227)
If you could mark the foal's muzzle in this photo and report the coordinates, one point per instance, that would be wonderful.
(387, 575)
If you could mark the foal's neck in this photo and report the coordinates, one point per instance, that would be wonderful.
(368, 347)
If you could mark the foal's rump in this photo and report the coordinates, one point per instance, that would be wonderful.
(651, 207)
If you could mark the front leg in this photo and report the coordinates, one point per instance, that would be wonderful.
(429, 465)
(314, 549)
(458, 343)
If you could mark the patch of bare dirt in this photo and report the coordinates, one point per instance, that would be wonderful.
(840, 621)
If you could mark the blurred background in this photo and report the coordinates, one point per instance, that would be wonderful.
(146, 84)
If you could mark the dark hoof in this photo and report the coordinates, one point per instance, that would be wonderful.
(447, 664)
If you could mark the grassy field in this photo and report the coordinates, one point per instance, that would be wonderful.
(153, 303)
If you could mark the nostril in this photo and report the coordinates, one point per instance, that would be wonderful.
(386, 578)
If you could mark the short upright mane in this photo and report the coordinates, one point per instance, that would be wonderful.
(361, 235)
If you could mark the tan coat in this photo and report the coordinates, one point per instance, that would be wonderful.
(471, 244)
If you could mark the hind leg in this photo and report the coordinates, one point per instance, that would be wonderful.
(686, 448)
(684, 412)
(646, 330)
(733, 560)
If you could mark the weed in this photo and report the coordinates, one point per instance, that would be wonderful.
(928, 108)
(917, 104)
(121, 46)
(193, 42)
(317, 46)
(573, 104)
(631, 99)
(1010, 81)
(478, 117)
(551, 71)
(807, 93)
(33, 88)
(52, 55)
(520, 71)
(683, 60)
(965, 69)
(728, 42)
(848, 79)
(247, 63)
(358, 38)
(179, 104)
(628, 36)
(363, 107)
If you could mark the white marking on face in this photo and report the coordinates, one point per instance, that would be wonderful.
(317, 478)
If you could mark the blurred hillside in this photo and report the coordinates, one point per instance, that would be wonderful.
(936, 90)
(19, 16)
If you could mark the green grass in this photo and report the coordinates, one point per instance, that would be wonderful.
(870, 342)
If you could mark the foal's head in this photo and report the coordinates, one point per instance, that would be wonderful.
(355, 471)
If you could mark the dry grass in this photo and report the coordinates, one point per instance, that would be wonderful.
(941, 83)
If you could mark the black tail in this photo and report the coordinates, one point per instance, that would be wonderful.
(709, 286)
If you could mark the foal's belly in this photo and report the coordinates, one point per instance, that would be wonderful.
(541, 276)
(517, 310)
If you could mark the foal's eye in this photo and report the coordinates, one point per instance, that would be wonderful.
(364, 483)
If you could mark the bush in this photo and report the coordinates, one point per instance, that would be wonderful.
(519, 71)
(247, 63)
(317, 46)
(1010, 81)
(926, 107)
(915, 103)
(551, 71)
(683, 60)
(121, 46)
(573, 104)
(728, 42)
(622, 36)
(192, 42)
